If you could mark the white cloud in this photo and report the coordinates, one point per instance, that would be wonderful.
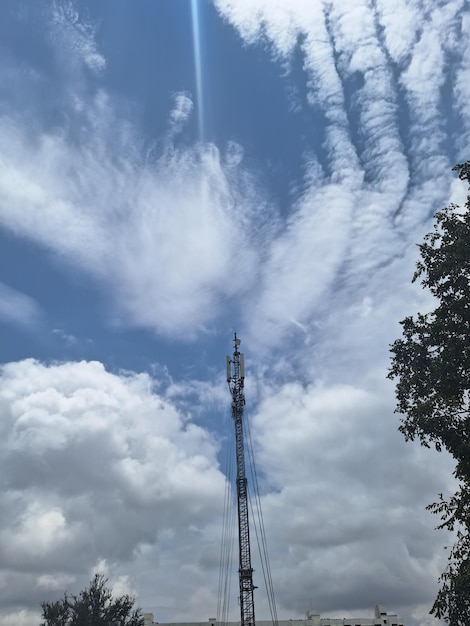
(233, 153)
(18, 308)
(55, 582)
(182, 109)
(462, 92)
(378, 80)
(76, 35)
(303, 261)
(422, 617)
(160, 236)
(68, 339)
(131, 492)
(335, 284)
(118, 473)
(401, 22)
(458, 192)
(96, 467)
(343, 487)
(40, 530)
(19, 618)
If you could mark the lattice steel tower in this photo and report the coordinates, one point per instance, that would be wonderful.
(236, 381)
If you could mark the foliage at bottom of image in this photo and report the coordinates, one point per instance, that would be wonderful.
(432, 364)
(94, 606)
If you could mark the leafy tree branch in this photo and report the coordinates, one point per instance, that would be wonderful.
(431, 364)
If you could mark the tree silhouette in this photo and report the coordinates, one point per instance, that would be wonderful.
(432, 364)
(94, 606)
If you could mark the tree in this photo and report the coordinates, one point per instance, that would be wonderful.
(95, 606)
(432, 364)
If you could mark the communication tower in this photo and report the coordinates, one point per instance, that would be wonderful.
(236, 381)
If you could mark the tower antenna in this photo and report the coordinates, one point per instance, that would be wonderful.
(236, 382)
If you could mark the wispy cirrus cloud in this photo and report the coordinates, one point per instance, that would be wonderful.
(158, 230)
(159, 235)
(381, 83)
(70, 32)
(374, 175)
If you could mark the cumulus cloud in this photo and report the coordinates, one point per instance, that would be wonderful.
(343, 488)
(96, 467)
(103, 474)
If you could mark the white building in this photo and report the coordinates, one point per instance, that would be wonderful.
(312, 618)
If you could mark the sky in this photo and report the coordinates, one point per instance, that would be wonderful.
(173, 171)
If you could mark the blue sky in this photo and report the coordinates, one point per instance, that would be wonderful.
(172, 171)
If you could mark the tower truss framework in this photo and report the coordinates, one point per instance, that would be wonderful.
(236, 382)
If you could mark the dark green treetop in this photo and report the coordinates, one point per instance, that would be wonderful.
(94, 606)
(431, 362)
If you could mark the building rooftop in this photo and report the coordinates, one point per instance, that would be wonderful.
(312, 618)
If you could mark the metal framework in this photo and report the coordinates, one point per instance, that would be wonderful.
(236, 381)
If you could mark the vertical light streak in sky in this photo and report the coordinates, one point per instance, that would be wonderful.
(198, 66)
